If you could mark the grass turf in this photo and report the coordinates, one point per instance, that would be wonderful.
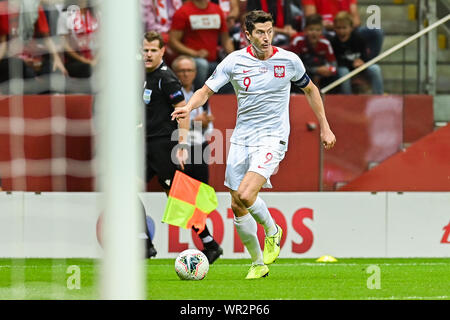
(289, 279)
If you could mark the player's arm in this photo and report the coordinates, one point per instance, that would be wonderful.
(315, 101)
(198, 99)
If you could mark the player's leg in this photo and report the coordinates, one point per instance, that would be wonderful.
(248, 195)
(246, 226)
(247, 229)
(263, 163)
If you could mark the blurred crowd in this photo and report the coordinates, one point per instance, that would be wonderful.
(51, 45)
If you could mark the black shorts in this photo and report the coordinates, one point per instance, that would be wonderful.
(196, 166)
(158, 160)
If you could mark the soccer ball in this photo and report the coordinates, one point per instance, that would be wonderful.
(191, 264)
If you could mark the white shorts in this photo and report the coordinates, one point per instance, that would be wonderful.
(263, 160)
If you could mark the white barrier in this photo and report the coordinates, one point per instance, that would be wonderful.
(342, 224)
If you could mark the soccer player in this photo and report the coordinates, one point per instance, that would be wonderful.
(261, 75)
(163, 93)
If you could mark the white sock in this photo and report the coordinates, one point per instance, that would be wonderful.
(262, 215)
(247, 229)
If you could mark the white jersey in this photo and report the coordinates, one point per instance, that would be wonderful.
(262, 88)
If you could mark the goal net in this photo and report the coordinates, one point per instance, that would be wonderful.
(70, 150)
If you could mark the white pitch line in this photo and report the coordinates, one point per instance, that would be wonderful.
(41, 266)
(409, 298)
(322, 264)
(308, 264)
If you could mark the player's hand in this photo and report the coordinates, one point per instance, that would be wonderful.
(182, 155)
(328, 139)
(181, 113)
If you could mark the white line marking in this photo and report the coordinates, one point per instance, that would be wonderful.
(408, 298)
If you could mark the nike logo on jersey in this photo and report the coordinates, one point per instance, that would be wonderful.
(259, 167)
(245, 71)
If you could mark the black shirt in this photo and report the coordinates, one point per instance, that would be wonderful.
(347, 52)
(162, 90)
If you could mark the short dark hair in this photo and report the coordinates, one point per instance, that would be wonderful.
(313, 20)
(256, 16)
(152, 36)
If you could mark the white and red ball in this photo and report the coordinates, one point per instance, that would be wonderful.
(191, 264)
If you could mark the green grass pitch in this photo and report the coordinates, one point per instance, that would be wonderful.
(289, 279)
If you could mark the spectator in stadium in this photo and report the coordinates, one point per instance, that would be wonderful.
(6, 62)
(201, 121)
(78, 26)
(238, 37)
(29, 47)
(284, 14)
(231, 10)
(158, 16)
(328, 10)
(197, 27)
(315, 51)
(162, 94)
(52, 9)
(351, 52)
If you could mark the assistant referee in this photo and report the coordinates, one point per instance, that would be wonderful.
(162, 93)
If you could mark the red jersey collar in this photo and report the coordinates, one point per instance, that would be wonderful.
(249, 50)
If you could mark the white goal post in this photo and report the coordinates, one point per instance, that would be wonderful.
(122, 272)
